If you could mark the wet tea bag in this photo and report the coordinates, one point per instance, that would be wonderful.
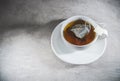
(80, 30)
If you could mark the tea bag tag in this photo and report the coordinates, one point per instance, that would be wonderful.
(101, 32)
(80, 30)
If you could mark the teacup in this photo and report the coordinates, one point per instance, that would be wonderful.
(96, 32)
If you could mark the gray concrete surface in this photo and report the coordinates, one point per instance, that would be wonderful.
(25, 30)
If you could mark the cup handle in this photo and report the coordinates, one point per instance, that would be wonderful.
(102, 33)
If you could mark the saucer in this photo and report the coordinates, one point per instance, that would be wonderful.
(76, 55)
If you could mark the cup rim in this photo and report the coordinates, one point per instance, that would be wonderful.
(74, 18)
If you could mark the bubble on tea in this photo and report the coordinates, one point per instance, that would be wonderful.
(80, 30)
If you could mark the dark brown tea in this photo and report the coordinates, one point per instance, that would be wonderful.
(72, 38)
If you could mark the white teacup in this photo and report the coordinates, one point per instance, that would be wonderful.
(100, 32)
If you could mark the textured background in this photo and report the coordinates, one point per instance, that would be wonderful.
(25, 30)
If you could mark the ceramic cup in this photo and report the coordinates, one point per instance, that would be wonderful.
(101, 33)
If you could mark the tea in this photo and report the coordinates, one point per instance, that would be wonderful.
(79, 32)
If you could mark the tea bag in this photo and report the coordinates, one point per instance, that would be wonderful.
(80, 30)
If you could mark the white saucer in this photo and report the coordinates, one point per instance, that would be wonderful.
(76, 55)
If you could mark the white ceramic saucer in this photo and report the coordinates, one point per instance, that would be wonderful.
(76, 55)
